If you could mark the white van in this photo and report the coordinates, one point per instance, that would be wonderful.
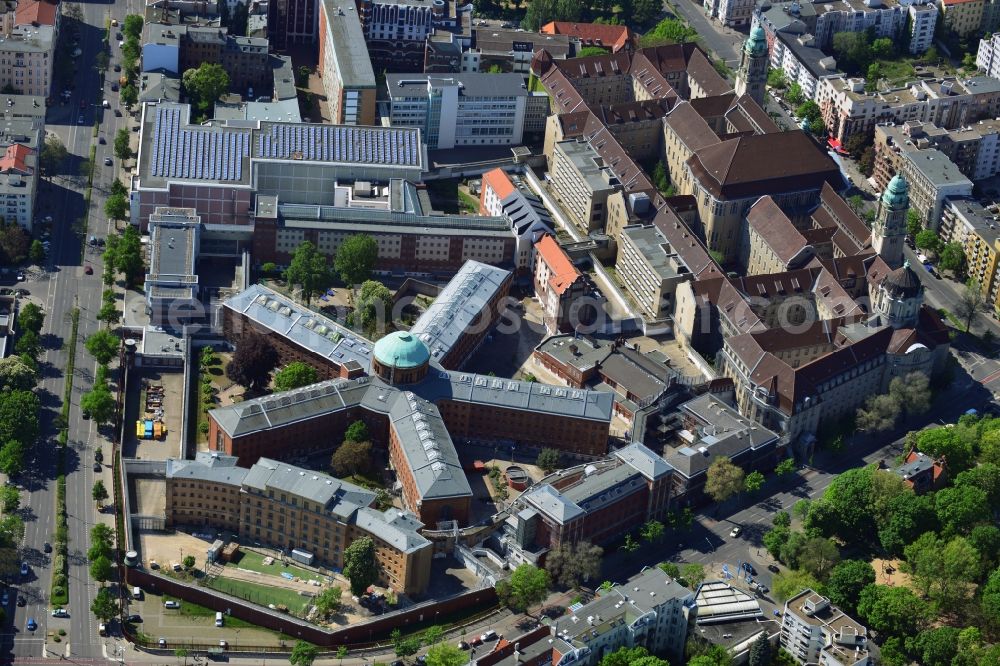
(137, 592)
(218, 619)
(106, 104)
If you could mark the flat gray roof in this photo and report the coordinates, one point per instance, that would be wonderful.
(458, 306)
(471, 84)
(15, 106)
(350, 51)
(936, 167)
(653, 245)
(172, 242)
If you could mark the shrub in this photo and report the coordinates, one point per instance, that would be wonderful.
(59, 579)
(203, 427)
(58, 591)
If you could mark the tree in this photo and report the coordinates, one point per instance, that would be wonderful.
(99, 493)
(947, 444)
(944, 571)
(787, 584)
(990, 598)
(433, 635)
(303, 654)
(753, 481)
(116, 207)
(927, 240)
(936, 647)
(105, 605)
(206, 84)
(986, 540)
(985, 476)
(961, 508)
(694, 574)
(541, 12)
(907, 517)
(103, 346)
(103, 535)
(129, 95)
(29, 343)
(357, 432)
(122, 149)
(132, 26)
(880, 413)
(913, 223)
(404, 647)
(101, 569)
(892, 611)
(109, 313)
(849, 497)
(360, 566)
(846, 581)
(760, 651)
(668, 31)
(445, 655)
(723, 479)
(295, 375)
(818, 556)
(571, 564)
(785, 467)
(310, 270)
(99, 403)
(12, 458)
(181, 653)
(36, 253)
(19, 417)
(652, 531)
(16, 375)
(373, 305)
(912, 392)
(356, 258)
(351, 458)
(253, 362)
(853, 51)
(10, 498)
(776, 78)
(188, 561)
(952, 257)
(527, 586)
(809, 110)
(970, 302)
(548, 460)
(794, 94)
(53, 155)
(328, 602)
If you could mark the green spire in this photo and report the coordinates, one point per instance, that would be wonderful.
(896, 194)
(756, 44)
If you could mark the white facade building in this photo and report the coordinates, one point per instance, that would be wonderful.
(801, 61)
(460, 110)
(814, 632)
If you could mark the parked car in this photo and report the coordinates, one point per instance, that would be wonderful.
(4, 600)
(488, 636)
(21, 601)
(47, 547)
(107, 161)
(773, 568)
(749, 569)
(162, 642)
(134, 617)
(170, 603)
(462, 645)
(60, 612)
(118, 67)
(101, 140)
(97, 467)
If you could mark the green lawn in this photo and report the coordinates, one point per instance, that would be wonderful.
(262, 594)
(896, 71)
(194, 610)
(255, 562)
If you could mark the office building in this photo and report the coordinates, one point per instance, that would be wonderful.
(288, 507)
(974, 148)
(775, 245)
(462, 110)
(596, 506)
(178, 48)
(21, 143)
(813, 631)
(650, 269)
(650, 610)
(291, 22)
(582, 183)
(732, 13)
(346, 68)
(171, 285)
(513, 50)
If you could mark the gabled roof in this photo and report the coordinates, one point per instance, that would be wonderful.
(500, 183)
(564, 273)
(776, 230)
(614, 37)
(15, 159)
(36, 12)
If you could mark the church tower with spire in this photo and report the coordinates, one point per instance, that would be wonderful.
(889, 229)
(752, 75)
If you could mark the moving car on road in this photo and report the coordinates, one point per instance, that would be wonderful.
(735, 532)
(32, 625)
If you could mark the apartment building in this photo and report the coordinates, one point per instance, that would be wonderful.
(923, 21)
(963, 17)
(732, 13)
(650, 610)
(965, 221)
(710, 429)
(650, 269)
(949, 103)
(26, 60)
(802, 61)
(513, 50)
(921, 472)
(346, 68)
(290, 507)
(397, 31)
(178, 48)
(813, 631)
(507, 196)
(974, 148)
(291, 22)
(582, 183)
(932, 178)
(561, 289)
(21, 142)
(622, 493)
(468, 109)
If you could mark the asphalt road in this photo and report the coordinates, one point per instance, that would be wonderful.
(723, 41)
(59, 288)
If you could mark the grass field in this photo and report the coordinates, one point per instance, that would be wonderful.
(262, 594)
(255, 562)
(194, 610)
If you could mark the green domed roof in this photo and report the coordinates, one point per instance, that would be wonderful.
(401, 350)
(756, 44)
(897, 194)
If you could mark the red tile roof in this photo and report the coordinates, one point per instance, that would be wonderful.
(564, 273)
(614, 37)
(35, 12)
(499, 182)
(15, 159)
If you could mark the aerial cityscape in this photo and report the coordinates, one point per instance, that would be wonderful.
(506, 333)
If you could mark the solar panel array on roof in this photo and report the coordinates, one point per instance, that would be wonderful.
(334, 143)
(196, 154)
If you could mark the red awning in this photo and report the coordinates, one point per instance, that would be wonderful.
(833, 143)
